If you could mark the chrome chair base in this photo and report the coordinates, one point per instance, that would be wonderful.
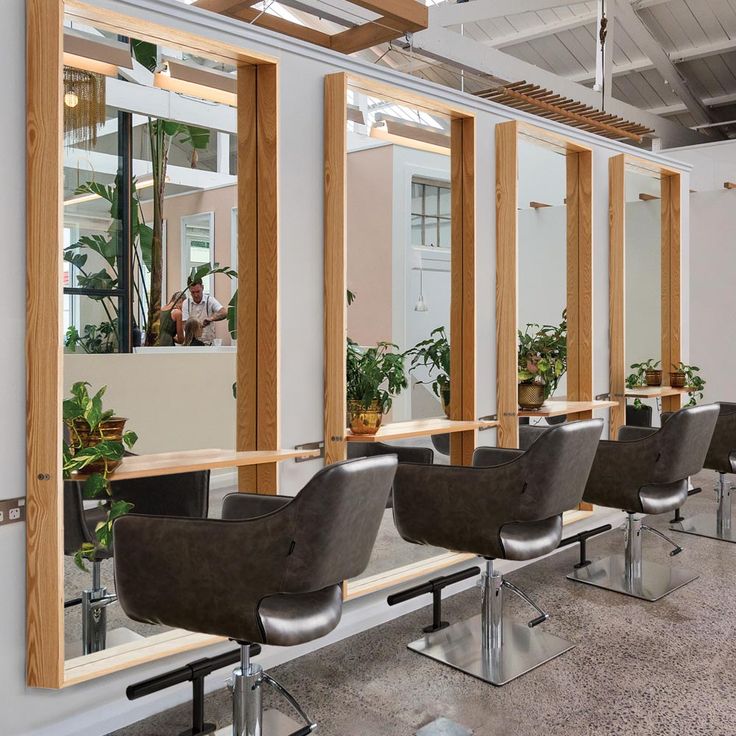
(705, 525)
(461, 647)
(275, 723)
(654, 581)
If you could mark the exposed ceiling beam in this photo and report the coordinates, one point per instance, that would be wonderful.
(676, 57)
(464, 53)
(632, 23)
(679, 107)
(542, 30)
(453, 13)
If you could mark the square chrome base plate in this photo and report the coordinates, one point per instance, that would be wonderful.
(523, 650)
(275, 723)
(704, 525)
(656, 580)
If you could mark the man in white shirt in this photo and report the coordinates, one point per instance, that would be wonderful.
(204, 308)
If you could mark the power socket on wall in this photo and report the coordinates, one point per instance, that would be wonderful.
(12, 510)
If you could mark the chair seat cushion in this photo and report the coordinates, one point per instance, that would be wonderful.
(294, 618)
(529, 539)
(663, 498)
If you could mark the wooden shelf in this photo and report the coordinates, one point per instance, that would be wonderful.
(558, 408)
(654, 392)
(169, 463)
(418, 428)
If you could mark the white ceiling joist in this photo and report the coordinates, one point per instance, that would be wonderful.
(676, 57)
(643, 38)
(464, 53)
(679, 107)
(453, 13)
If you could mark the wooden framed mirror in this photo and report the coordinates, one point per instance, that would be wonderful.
(644, 283)
(79, 170)
(400, 244)
(544, 282)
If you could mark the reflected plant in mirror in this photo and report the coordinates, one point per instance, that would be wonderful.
(374, 376)
(542, 361)
(434, 355)
(686, 376)
(96, 444)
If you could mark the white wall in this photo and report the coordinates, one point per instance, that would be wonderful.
(99, 706)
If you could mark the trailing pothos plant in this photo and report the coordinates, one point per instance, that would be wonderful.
(693, 381)
(542, 356)
(87, 445)
(375, 374)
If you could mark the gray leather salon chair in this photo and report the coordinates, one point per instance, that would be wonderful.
(721, 457)
(269, 572)
(509, 506)
(646, 472)
(182, 494)
(404, 454)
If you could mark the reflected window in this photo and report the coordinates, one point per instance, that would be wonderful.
(430, 213)
(197, 244)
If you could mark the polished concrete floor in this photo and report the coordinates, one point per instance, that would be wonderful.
(665, 668)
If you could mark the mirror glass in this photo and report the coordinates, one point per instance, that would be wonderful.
(542, 268)
(398, 267)
(150, 190)
(643, 269)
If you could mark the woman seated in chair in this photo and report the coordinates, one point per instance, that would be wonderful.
(193, 333)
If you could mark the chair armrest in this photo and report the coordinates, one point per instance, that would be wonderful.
(629, 434)
(485, 457)
(250, 505)
(203, 575)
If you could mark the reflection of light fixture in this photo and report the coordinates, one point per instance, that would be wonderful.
(196, 81)
(80, 198)
(421, 305)
(71, 99)
(96, 55)
(411, 135)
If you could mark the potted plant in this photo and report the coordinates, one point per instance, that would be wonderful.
(637, 414)
(374, 375)
(94, 447)
(542, 361)
(687, 376)
(434, 355)
(652, 374)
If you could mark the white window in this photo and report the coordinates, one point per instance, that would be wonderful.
(197, 244)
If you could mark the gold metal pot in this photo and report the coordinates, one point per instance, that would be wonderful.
(677, 379)
(445, 399)
(110, 429)
(654, 378)
(531, 395)
(362, 420)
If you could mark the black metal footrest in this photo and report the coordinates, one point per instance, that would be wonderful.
(194, 672)
(434, 588)
(678, 516)
(581, 539)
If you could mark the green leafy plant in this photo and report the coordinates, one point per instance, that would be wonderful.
(88, 445)
(434, 355)
(374, 374)
(693, 381)
(635, 380)
(648, 365)
(542, 356)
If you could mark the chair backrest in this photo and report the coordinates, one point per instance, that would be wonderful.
(556, 468)
(182, 494)
(723, 444)
(404, 453)
(682, 443)
(337, 518)
(441, 443)
(76, 529)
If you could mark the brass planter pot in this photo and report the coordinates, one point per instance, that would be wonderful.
(677, 379)
(362, 420)
(110, 429)
(654, 378)
(445, 399)
(531, 395)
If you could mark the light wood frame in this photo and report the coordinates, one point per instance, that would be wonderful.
(670, 234)
(258, 343)
(579, 271)
(462, 309)
(462, 300)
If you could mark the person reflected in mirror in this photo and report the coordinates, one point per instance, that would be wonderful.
(193, 333)
(204, 308)
(171, 324)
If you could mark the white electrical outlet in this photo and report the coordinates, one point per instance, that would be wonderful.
(14, 514)
(12, 510)
(2, 516)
